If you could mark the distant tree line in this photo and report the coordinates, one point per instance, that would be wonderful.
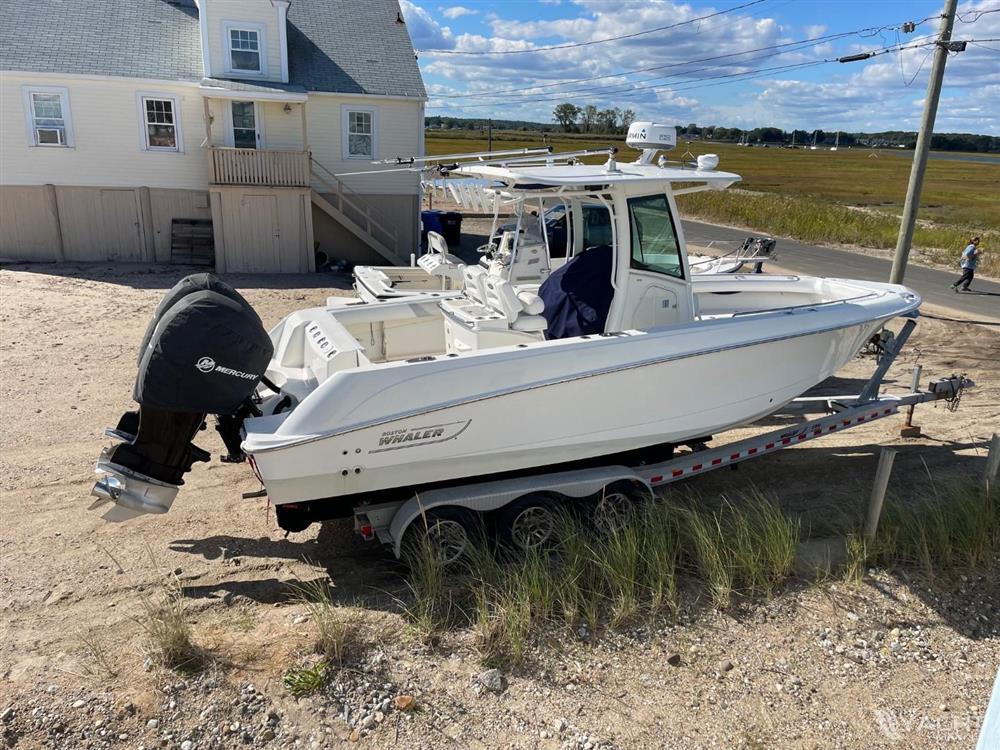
(571, 118)
(590, 119)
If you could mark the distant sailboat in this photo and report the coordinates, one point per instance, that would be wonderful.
(836, 143)
(813, 146)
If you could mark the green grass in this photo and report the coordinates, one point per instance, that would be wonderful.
(167, 627)
(812, 219)
(958, 197)
(737, 550)
(335, 633)
(959, 530)
(305, 679)
(596, 578)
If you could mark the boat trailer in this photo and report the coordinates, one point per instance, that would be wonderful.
(453, 510)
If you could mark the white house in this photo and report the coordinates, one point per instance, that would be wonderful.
(207, 130)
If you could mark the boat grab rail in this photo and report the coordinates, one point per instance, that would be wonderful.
(792, 309)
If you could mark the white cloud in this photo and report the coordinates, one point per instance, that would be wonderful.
(869, 95)
(425, 32)
(457, 11)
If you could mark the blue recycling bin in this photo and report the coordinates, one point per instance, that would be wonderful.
(446, 223)
(430, 221)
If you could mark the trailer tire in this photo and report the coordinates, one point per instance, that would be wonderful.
(615, 502)
(529, 522)
(447, 530)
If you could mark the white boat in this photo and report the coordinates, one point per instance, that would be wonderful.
(620, 350)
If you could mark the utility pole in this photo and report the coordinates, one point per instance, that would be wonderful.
(912, 204)
(489, 135)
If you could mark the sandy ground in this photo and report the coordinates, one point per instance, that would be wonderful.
(891, 663)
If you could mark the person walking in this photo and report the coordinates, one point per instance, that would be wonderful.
(970, 257)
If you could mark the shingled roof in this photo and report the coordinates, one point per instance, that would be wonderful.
(338, 46)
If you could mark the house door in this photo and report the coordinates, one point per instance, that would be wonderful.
(122, 229)
(245, 125)
(260, 236)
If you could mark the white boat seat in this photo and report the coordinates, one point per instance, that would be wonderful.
(437, 261)
(522, 310)
(475, 284)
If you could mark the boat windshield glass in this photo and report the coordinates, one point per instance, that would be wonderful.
(596, 226)
(654, 238)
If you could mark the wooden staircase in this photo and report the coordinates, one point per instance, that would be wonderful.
(356, 215)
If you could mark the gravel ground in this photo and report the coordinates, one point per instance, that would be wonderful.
(888, 663)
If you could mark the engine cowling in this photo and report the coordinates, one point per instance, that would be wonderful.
(204, 352)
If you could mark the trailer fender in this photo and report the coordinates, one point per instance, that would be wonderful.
(489, 496)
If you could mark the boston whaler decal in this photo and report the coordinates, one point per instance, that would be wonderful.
(410, 437)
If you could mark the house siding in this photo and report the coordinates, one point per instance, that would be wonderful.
(106, 132)
(397, 133)
(217, 12)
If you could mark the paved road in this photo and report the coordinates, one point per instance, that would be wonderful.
(932, 284)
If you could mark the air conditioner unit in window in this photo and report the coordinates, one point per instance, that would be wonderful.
(50, 136)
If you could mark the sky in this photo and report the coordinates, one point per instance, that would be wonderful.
(763, 73)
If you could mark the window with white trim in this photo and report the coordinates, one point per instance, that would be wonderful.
(160, 126)
(360, 134)
(47, 112)
(244, 51)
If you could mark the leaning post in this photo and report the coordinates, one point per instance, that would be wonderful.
(885, 460)
(992, 460)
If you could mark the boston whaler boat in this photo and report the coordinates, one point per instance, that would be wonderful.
(618, 350)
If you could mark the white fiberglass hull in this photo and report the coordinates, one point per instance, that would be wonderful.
(517, 408)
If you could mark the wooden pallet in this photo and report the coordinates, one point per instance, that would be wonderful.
(192, 242)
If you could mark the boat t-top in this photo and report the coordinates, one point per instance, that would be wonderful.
(616, 351)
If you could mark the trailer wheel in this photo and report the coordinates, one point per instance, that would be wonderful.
(615, 502)
(529, 522)
(447, 531)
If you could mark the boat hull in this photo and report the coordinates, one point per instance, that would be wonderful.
(574, 408)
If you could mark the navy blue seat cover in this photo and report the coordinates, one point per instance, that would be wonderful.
(578, 295)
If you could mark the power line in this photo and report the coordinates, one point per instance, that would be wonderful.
(977, 13)
(699, 83)
(631, 85)
(798, 46)
(812, 41)
(593, 41)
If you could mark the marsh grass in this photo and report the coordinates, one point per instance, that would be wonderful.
(591, 578)
(167, 628)
(958, 529)
(814, 219)
(733, 552)
(336, 632)
(102, 663)
(431, 607)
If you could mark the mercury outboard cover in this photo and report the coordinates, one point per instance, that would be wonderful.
(204, 352)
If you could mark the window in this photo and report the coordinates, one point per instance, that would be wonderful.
(245, 48)
(244, 124)
(654, 238)
(596, 226)
(47, 113)
(359, 133)
(160, 121)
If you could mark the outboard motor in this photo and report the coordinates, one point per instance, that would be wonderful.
(204, 352)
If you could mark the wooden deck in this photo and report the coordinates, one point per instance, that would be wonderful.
(264, 167)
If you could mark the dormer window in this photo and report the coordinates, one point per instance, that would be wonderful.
(245, 48)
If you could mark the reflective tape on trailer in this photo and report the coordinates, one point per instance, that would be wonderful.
(706, 460)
